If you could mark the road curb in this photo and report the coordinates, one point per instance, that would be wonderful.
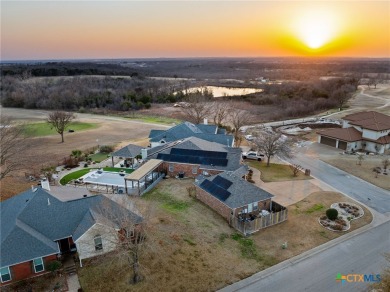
(296, 259)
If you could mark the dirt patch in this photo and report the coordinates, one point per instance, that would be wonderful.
(194, 245)
(349, 164)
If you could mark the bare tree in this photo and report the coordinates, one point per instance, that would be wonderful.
(342, 95)
(385, 163)
(238, 118)
(122, 237)
(295, 168)
(197, 108)
(12, 146)
(60, 121)
(220, 111)
(360, 159)
(271, 144)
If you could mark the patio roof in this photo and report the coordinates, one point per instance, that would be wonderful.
(128, 151)
(144, 170)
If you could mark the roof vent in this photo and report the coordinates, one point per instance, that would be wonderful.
(48, 201)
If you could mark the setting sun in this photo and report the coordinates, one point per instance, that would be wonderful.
(316, 28)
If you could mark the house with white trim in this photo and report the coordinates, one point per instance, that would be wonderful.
(365, 131)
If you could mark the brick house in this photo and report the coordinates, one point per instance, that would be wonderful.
(193, 156)
(366, 131)
(241, 203)
(211, 133)
(36, 228)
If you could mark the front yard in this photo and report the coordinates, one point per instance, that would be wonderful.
(275, 172)
(364, 171)
(192, 248)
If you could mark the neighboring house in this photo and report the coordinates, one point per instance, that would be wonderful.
(211, 133)
(245, 206)
(193, 156)
(36, 228)
(366, 131)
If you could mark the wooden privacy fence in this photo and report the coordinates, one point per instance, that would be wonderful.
(249, 227)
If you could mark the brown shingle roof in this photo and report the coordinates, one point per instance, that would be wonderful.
(345, 134)
(370, 120)
(381, 140)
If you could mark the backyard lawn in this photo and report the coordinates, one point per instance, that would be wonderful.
(192, 248)
(98, 157)
(275, 172)
(44, 129)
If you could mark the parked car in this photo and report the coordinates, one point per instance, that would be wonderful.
(249, 137)
(252, 155)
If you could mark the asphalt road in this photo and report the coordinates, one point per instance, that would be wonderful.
(361, 254)
(366, 193)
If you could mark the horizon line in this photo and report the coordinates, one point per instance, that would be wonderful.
(185, 58)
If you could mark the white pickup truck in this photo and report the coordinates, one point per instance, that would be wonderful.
(252, 155)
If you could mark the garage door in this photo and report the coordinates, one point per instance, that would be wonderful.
(343, 145)
(328, 141)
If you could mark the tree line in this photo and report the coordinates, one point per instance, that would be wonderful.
(301, 98)
(78, 93)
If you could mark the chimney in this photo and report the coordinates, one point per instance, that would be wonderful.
(144, 153)
(45, 184)
(205, 121)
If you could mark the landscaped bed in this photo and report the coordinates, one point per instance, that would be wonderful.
(346, 213)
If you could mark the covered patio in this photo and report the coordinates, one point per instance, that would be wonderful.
(129, 153)
(145, 177)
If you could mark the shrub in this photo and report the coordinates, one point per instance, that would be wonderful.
(53, 266)
(337, 227)
(106, 148)
(332, 214)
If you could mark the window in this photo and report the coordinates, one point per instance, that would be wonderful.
(170, 168)
(250, 208)
(255, 206)
(38, 265)
(98, 242)
(5, 275)
(194, 170)
(129, 233)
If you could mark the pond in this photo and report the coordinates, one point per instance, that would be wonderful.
(219, 91)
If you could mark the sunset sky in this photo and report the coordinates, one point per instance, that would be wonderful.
(34, 30)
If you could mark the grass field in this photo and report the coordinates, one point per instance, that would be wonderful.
(192, 248)
(44, 129)
(154, 119)
(275, 172)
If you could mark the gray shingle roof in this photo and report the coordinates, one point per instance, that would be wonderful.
(33, 220)
(186, 129)
(129, 151)
(194, 143)
(241, 192)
